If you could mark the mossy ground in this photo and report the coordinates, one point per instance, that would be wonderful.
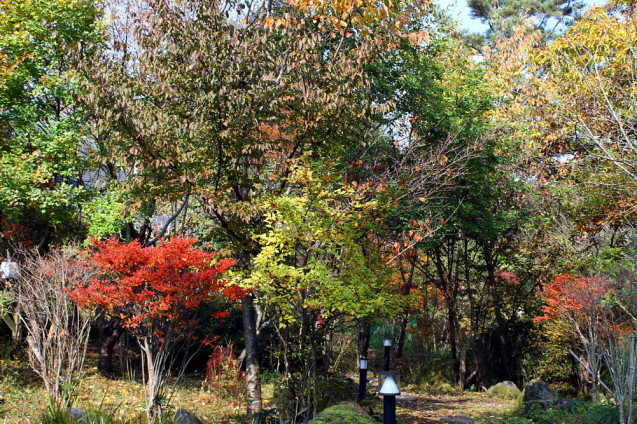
(23, 398)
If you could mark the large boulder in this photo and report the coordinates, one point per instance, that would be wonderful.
(343, 413)
(538, 393)
(184, 417)
(504, 390)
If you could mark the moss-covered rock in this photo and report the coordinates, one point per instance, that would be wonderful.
(344, 413)
(505, 390)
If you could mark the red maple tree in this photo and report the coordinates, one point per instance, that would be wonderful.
(568, 293)
(140, 285)
(153, 291)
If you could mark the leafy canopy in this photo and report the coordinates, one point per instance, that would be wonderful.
(318, 251)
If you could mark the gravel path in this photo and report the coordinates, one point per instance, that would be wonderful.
(413, 408)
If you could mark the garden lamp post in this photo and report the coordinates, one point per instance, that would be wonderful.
(387, 343)
(9, 271)
(362, 378)
(389, 390)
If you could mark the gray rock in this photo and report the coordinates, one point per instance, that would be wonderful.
(78, 414)
(539, 391)
(405, 399)
(505, 390)
(184, 417)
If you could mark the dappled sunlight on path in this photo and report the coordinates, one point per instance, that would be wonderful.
(437, 409)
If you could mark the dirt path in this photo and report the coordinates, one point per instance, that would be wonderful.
(439, 409)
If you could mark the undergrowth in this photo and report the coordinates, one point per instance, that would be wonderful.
(581, 413)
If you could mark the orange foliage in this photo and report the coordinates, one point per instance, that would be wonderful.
(570, 293)
(141, 284)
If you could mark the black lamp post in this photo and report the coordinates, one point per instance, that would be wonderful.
(389, 390)
(387, 343)
(362, 378)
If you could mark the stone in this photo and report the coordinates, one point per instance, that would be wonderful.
(78, 414)
(504, 390)
(539, 391)
(405, 398)
(184, 417)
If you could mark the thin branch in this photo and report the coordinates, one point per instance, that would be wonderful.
(168, 222)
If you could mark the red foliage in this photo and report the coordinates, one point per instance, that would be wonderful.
(235, 293)
(223, 371)
(508, 278)
(140, 284)
(220, 360)
(16, 233)
(569, 293)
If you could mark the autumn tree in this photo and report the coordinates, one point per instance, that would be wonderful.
(205, 111)
(320, 269)
(153, 290)
(590, 68)
(578, 300)
(40, 132)
(595, 311)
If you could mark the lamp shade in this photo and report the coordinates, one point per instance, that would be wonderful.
(362, 363)
(9, 270)
(389, 386)
(387, 342)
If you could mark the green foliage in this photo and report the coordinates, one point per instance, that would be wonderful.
(40, 129)
(57, 414)
(584, 413)
(104, 215)
(6, 302)
(316, 254)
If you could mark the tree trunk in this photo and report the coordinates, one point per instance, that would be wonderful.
(107, 342)
(363, 338)
(503, 325)
(403, 335)
(505, 355)
(153, 404)
(462, 367)
(253, 385)
(453, 340)
(405, 290)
